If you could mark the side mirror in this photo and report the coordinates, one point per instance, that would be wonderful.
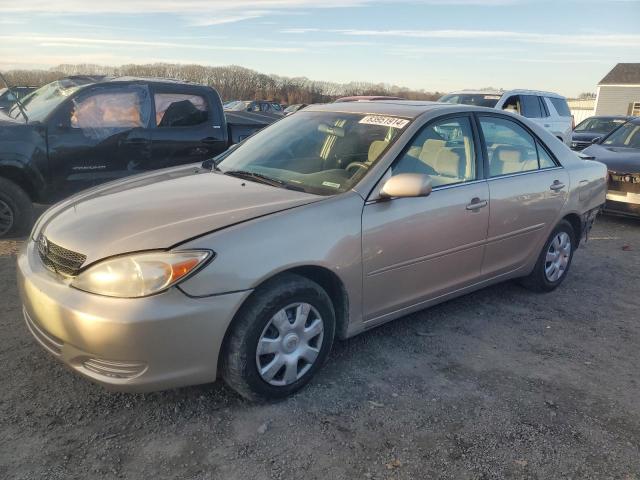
(11, 97)
(596, 140)
(407, 185)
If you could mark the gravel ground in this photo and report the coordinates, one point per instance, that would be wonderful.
(502, 383)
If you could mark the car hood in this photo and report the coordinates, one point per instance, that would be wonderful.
(160, 210)
(6, 120)
(617, 159)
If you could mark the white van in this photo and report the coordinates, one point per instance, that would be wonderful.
(548, 109)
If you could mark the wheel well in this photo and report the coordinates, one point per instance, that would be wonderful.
(331, 284)
(19, 178)
(334, 287)
(576, 223)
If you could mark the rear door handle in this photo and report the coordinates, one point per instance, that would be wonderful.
(557, 185)
(209, 140)
(547, 125)
(477, 204)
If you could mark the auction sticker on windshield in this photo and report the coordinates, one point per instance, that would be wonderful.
(385, 121)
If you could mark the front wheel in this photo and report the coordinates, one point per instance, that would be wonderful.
(16, 210)
(280, 338)
(554, 261)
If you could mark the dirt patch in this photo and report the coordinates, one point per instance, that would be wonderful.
(502, 383)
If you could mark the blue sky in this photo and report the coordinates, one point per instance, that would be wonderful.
(560, 45)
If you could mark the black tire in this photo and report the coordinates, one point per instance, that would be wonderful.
(537, 280)
(16, 209)
(239, 366)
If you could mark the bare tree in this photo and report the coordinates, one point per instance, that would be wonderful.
(232, 82)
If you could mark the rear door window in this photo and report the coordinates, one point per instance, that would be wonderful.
(510, 148)
(560, 104)
(180, 110)
(530, 106)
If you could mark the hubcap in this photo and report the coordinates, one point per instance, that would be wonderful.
(6, 218)
(558, 256)
(289, 344)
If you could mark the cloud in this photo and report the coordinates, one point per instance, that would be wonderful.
(585, 40)
(108, 42)
(183, 7)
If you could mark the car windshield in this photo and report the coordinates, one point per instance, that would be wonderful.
(477, 99)
(599, 125)
(38, 104)
(323, 153)
(627, 135)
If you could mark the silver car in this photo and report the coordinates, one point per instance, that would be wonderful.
(324, 225)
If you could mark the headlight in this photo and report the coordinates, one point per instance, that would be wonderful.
(139, 274)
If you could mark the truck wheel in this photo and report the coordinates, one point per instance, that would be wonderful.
(16, 209)
(279, 339)
(554, 261)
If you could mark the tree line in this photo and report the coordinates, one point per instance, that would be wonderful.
(232, 82)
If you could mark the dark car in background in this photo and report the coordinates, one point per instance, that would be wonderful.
(595, 127)
(8, 96)
(620, 152)
(81, 131)
(255, 106)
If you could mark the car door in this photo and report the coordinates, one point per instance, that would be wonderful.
(188, 126)
(527, 189)
(416, 249)
(100, 134)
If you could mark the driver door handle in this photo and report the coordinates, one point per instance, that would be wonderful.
(209, 140)
(557, 185)
(477, 204)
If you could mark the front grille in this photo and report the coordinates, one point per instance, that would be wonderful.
(624, 182)
(59, 259)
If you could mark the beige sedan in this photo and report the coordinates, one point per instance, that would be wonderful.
(328, 223)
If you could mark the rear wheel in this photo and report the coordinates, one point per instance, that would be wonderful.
(16, 210)
(280, 338)
(554, 261)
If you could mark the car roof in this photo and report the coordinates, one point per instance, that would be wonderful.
(517, 91)
(400, 108)
(86, 80)
(362, 98)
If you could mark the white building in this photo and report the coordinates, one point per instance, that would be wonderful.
(619, 91)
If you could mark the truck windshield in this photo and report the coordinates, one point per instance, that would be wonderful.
(41, 102)
(477, 99)
(627, 135)
(323, 153)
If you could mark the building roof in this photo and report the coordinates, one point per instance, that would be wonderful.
(623, 74)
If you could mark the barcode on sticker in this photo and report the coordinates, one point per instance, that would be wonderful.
(385, 121)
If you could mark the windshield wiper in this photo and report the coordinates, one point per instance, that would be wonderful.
(260, 178)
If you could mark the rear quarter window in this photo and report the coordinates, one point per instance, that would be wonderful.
(560, 104)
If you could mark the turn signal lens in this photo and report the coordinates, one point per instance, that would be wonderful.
(139, 274)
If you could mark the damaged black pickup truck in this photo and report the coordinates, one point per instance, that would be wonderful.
(81, 131)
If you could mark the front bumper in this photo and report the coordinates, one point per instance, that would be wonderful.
(145, 344)
(623, 203)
